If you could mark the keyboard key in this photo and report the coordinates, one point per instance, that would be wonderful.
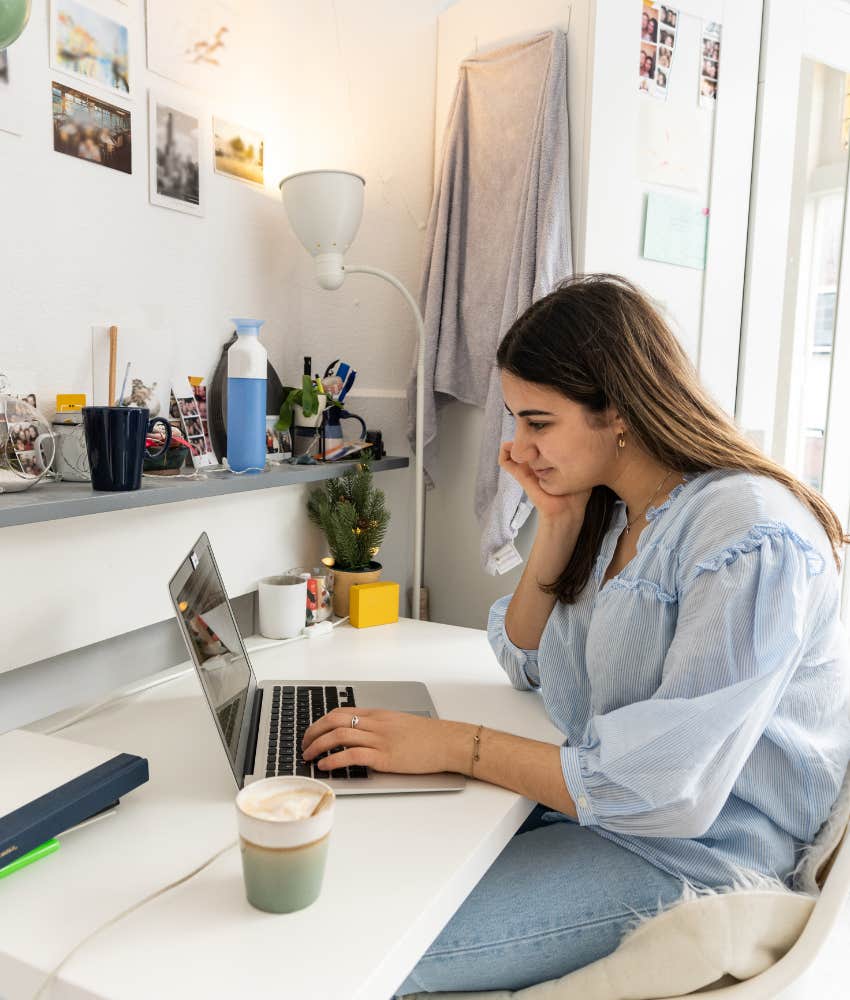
(339, 772)
(348, 702)
(303, 770)
(358, 771)
(331, 698)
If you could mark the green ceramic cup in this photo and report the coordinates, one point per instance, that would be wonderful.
(284, 848)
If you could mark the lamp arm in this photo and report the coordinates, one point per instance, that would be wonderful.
(420, 421)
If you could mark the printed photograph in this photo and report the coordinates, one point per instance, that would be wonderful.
(665, 57)
(710, 64)
(87, 44)
(649, 23)
(647, 60)
(4, 66)
(669, 17)
(90, 129)
(667, 38)
(174, 157)
(238, 151)
(192, 42)
(187, 419)
(661, 79)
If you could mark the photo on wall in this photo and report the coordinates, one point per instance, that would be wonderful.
(175, 158)
(91, 130)
(89, 45)
(238, 151)
(11, 106)
(709, 63)
(655, 58)
(192, 42)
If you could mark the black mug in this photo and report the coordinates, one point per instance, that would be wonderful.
(115, 442)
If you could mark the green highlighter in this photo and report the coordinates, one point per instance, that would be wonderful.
(48, 847)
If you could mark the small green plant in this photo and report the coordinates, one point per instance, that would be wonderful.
(352, 514)
(307, 397)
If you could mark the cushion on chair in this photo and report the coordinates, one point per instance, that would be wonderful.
(689, 946)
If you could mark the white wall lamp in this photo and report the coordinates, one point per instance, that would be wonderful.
(324, 209)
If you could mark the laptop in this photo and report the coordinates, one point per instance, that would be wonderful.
(261, 724)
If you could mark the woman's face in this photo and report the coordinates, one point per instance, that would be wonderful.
(558, 439)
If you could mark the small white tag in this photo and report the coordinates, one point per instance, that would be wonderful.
(524, 509)
(504, 559)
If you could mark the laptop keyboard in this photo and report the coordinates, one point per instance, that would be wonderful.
(294, 710)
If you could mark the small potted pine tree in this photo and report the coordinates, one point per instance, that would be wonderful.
(353, 516)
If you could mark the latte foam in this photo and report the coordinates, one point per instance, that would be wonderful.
(281, 805)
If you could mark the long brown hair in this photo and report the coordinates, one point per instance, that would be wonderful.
(600, 342)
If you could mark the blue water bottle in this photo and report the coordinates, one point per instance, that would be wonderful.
(247, 363)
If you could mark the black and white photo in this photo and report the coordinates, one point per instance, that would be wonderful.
(175, 160)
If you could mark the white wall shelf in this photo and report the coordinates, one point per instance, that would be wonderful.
(54, 501)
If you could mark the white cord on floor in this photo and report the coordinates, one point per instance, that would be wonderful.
(51, 976)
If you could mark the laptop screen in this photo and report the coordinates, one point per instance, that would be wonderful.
(211, 634)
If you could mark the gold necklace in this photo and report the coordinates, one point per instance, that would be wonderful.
(648, 502)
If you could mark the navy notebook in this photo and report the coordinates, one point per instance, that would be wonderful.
(49, 784)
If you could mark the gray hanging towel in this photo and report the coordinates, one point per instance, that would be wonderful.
(498, 238)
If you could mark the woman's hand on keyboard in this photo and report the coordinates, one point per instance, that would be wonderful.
(396, 742)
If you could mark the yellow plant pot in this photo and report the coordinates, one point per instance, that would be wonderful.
(343, 580)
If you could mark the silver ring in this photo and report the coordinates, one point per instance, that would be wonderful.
(355, 721)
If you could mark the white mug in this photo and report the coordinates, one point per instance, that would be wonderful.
(283, 606)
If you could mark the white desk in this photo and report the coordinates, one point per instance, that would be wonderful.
(398, 866)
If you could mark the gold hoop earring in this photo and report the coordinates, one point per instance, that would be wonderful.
(621, 442)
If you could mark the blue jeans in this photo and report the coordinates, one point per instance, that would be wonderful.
(558, 897)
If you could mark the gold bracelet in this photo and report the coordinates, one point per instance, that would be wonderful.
(476, 750)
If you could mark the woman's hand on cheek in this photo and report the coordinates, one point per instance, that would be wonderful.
(558, 507)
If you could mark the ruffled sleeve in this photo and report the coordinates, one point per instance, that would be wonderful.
(519, 664)
(666, 766)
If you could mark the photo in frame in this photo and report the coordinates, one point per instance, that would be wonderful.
(90, 45)
(175, 155)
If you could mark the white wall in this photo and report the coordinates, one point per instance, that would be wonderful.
(346, 84)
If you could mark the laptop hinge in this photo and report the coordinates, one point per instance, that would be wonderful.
(253, 734)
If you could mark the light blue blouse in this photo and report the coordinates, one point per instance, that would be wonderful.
(704, 691)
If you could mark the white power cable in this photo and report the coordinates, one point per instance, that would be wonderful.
(98, 706)
(51, 976)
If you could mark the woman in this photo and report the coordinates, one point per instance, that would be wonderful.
(678, 615)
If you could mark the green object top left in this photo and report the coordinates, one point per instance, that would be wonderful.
(14, 15)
